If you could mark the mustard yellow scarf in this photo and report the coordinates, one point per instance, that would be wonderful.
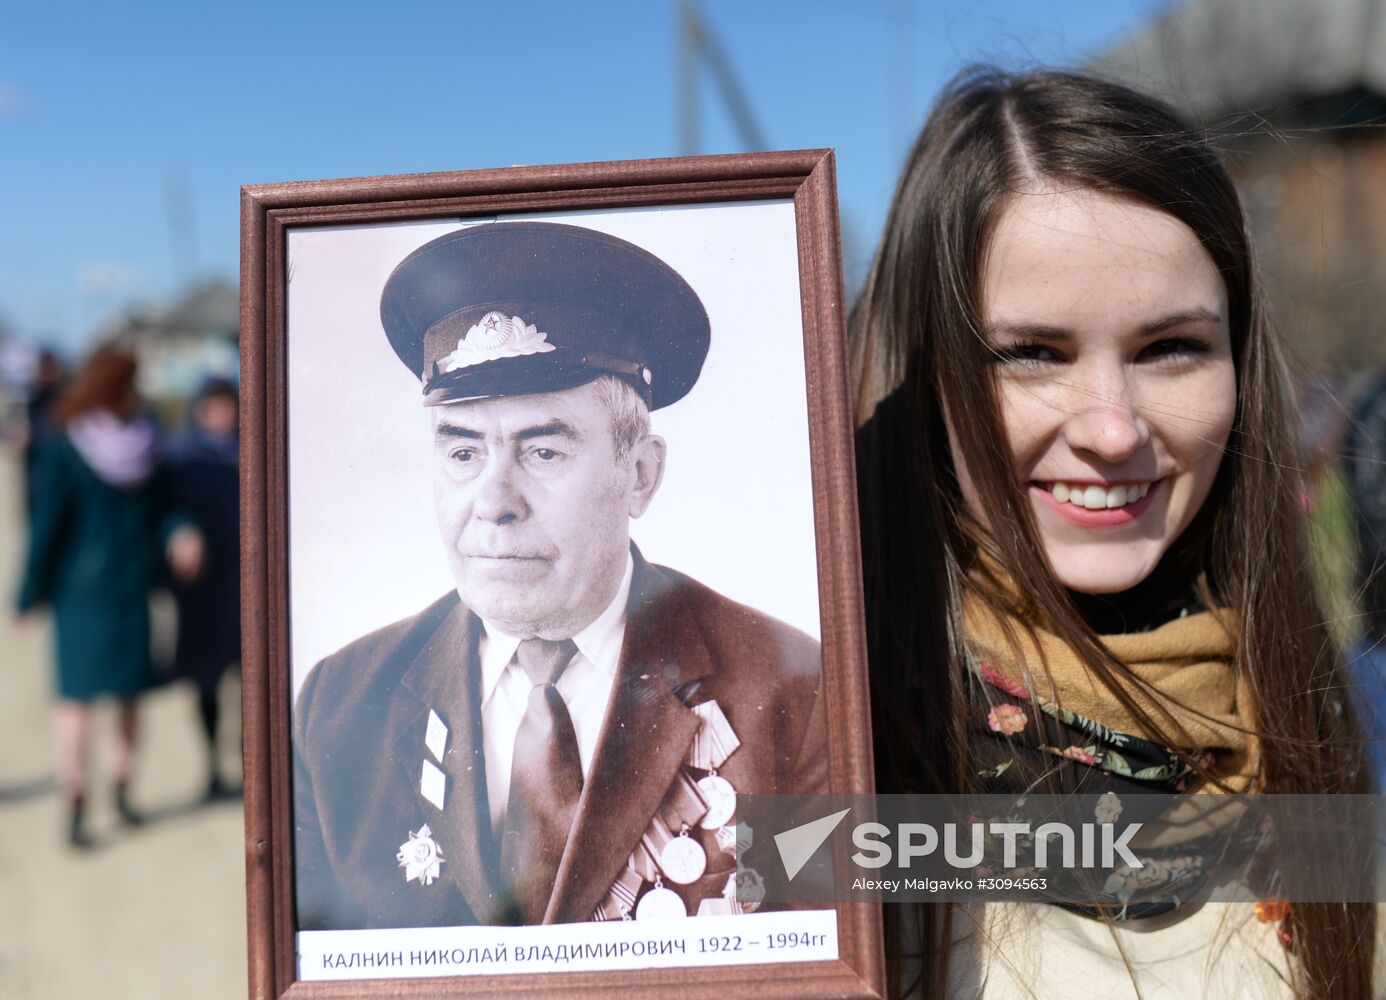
(1185, 681)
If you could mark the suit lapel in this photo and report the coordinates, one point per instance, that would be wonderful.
(446, 678)
(644, 739)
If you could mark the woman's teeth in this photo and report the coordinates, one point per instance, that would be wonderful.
(1098, 497)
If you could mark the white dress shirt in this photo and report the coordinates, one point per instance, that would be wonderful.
(585, 686)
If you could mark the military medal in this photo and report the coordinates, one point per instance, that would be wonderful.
(433, 783)
(717, 906)
(683, 804)
(735, 838)
(720, 797)
(745, 836)
(726, 839)
(620, 898)
(420, 857)
(660, 904)
(642, 860)
(746, 889)
(683, 859)
(712, 745)
(728, 897)
(708, 802)
(714, 741)
(436, 735)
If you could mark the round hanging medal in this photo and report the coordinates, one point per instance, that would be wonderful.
(683, 859)
(720, 797)
(660, 904)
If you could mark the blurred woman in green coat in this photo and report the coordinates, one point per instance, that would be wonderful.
(99, 532)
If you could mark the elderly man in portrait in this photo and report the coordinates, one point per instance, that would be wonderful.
(563, 737)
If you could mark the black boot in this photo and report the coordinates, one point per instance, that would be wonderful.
(77, 836)
(122, 804)
(216, 788)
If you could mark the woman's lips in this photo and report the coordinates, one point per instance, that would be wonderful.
(1099, 517)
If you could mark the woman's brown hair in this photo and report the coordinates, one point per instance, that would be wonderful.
(105, 382)
(917, 352)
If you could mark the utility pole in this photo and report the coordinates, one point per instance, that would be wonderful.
(688, 46)
(698, 46)
(182, 233)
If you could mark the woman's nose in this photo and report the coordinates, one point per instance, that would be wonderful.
(1105, 419)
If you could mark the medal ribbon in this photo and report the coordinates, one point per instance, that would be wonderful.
(683, 804)
(682, 807)
(642, 860)
(715, 739)
(619, 902)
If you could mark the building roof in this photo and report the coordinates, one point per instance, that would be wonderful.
(1215, 57)
(209, 309)
(212, 307)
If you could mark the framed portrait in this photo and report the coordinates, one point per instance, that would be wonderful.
(550, 553)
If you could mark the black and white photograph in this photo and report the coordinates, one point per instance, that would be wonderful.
(554, 591)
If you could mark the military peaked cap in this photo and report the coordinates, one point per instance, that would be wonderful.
(507, 308)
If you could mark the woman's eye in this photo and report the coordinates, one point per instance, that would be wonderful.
(1026, 354)
(1172, 346)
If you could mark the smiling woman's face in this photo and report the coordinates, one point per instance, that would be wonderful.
(1117, 387)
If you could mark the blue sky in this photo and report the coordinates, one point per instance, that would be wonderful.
(110, 114)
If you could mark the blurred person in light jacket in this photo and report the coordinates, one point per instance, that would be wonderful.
(101, 525)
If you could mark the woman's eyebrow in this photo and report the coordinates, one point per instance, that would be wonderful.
(1028, 331)
(1041, 332)
(1196, 315)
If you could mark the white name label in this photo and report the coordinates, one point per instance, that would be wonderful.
(403, 953)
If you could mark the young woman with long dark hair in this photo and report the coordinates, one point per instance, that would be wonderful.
(1081, 532)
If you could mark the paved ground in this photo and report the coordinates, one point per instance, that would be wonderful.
(151, 913)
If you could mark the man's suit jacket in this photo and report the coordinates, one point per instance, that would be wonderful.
(359, 749)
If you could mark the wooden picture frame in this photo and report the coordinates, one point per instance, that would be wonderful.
(278, 622)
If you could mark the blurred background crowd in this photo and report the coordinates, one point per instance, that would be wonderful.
(126, 134)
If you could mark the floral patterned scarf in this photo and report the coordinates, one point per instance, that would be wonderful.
(1030, 733)
(1189, 686)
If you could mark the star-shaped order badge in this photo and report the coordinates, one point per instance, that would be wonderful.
(419, 857)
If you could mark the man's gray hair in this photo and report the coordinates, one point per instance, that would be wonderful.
(630, 417)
